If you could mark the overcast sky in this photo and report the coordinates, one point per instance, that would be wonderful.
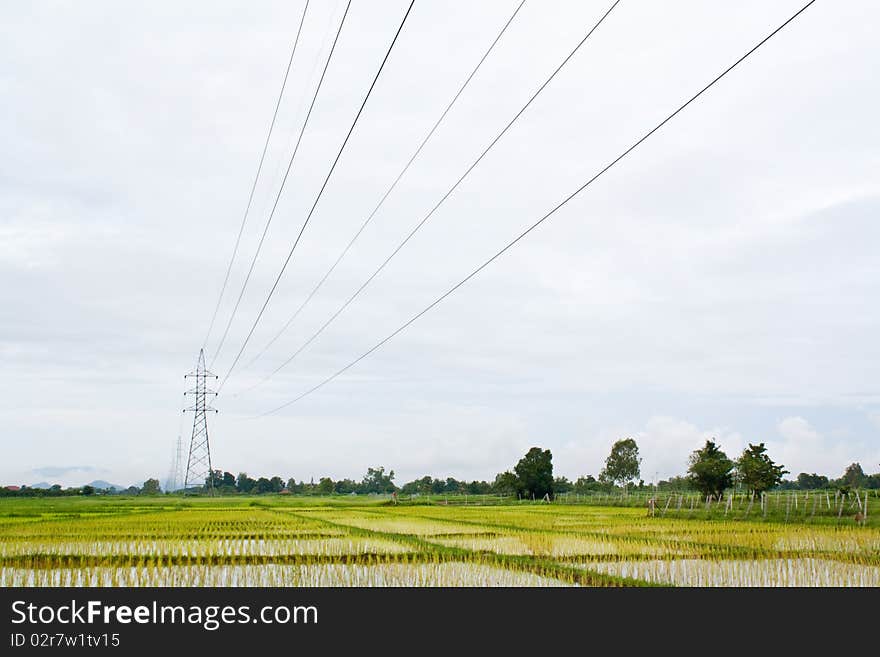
(721, 281)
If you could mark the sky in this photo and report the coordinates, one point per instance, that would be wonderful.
(720, 282)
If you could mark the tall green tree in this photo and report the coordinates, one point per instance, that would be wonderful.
(854, 476)
(224, 482)
(452, 485)
(534, 473)
(244, 484)
(622, 464)
(376, 481)
(262, 486)
(505, 483)
(710, 471)
(757, 471)
(151, 487)
(345, 486)
(811, 481)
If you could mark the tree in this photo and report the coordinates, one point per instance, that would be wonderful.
(376, 481)
(757, 471)
(325, 486)
(214, 479)
(674, 483)
(710, 471)
(534, 473)
(505, 483)
(562, 485)
(244, 484)
(345, 486)
(478, 487)
(587, 484)
(151, 487)
(452, 485)
(262, 486)
(421, 486)
(622, 464)
(228, 481)
(854, 476)
(223, 482)
(811, 481)
(88, 490)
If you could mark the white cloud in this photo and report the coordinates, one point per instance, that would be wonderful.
(798, 430)
(665, 443)
(802, 448)
(30, 245)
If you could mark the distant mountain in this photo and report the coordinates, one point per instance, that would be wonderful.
(42, 484)
(100, 483)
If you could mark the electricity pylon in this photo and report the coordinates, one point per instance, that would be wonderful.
(175, 474)
(198, 464)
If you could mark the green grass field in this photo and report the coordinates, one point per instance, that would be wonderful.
(289, 541)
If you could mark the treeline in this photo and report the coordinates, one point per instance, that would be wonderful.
(377, 481)
(709, 470)
(853, 477)
(54, 491)
(149, 487)
(532, 475)
(712, 472)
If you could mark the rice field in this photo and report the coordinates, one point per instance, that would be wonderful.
(281, 541)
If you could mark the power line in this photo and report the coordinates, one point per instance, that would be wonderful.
(389, 190)
(526, 232)
(281, 188)
(318, 197)
(448, 193)
(257, 176)
(329, 29)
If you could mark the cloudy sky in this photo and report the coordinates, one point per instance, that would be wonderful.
(721, 281)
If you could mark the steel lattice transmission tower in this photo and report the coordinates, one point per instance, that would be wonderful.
(198, 464)
(175, 473)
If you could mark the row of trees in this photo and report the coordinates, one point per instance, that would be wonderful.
(712, 472)
(853, 477)
(149, 487)
(377, 480)
(428, 485)
(709, 471)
